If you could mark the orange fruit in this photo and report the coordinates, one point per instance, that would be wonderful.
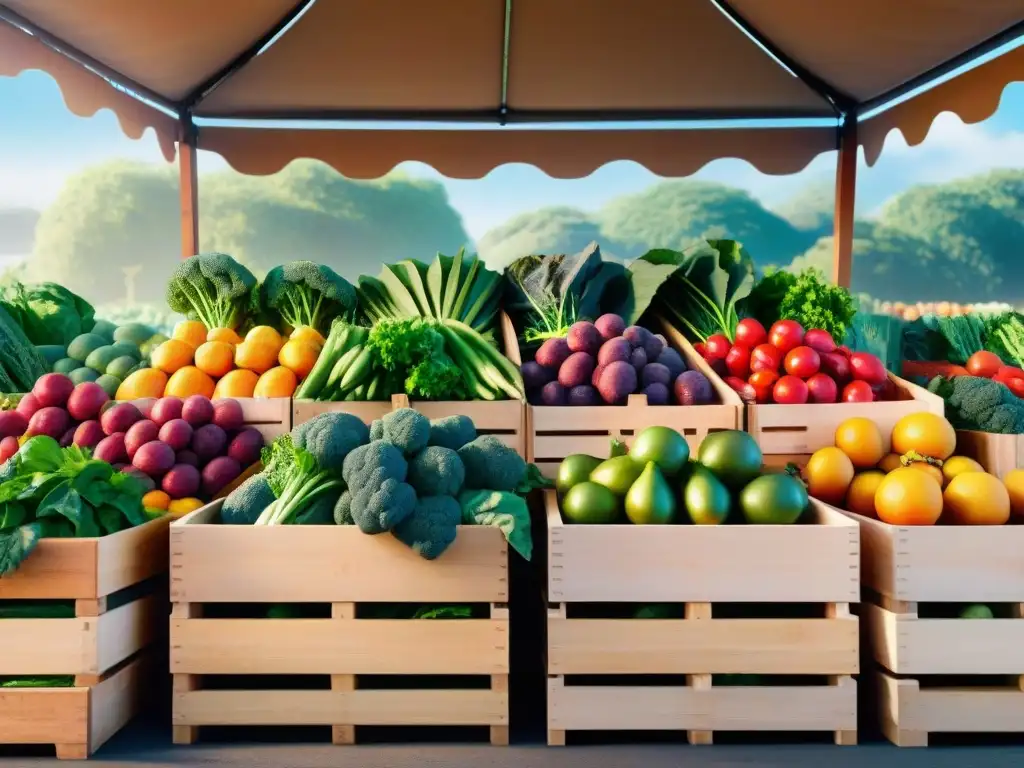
(977, 498)
(156, 500)
(192, 332)
(145, 382)
(829, 473)
(926, 433)
(255, 356)
(216, 358)
(299, 356)
(1014, 482)
(181, 507)
(908, 497)
(224, 334)
(277, 382)
(305, 333)
(956, 465)
(189, 381)
(264, 334)
(861, 440)
(890, 462)
(860, 497)
(172, 355)
(935, 473)
(236, 383)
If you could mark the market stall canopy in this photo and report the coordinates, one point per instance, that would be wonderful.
(510, 63)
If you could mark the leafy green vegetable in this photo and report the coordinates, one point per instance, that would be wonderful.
(48, 313)
(302, 293)
(20, 362)
(767, 295)
(48, 681)
(922, 340)
(815, 303)
(503, 510)
(963, 336)
(212, 288)
(880, 335)
(414, 350)
(1004, 335)
(444, 612)
(982, 404)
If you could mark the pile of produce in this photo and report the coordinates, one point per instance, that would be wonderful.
(20, 362)
(984, 404)
(106, 354)
(416, 478)
(432, 336)
(911, 312)
(914, 478)
(955, 340)
(48, 313)
(791, 366)
(656, 483)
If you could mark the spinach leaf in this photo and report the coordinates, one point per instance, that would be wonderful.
(62, 501)
(110, 518)
(12, 514)
(506, 511)
(40, 454)
(16, 545)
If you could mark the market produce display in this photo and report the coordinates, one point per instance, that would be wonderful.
(956, 339)
(982, 403)
(106, 354)
(911, 312)
(418, 479)
(656, 483)
(920, 480)
(48, 313)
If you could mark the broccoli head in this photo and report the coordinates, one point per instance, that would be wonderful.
(432, 526)
(437, 471)
(212, 288)
(983, 404)
(330, 437)
(492, 465)
(303, 293)
(343, 509)
(376, 430)
(407, 429)
(452, 431)
(381, 507)
(245, 504)
(360, 464)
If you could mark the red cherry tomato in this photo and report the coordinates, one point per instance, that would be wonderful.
(786, 335)
(836, 366)
(858, 392)
(700, 349)
(765, 357)
(762, 382)
(716, 347)
(789, 390)
(802, 361)
(867, 367)
(822, 388)
(984, 364)
(738, 361)
(1016, 386)
(819, 340)
(750, 333)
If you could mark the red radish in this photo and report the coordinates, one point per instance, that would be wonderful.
(181, 481)
(750, 333)
(53, 389)
(762, 382)
(8, 447)
(738, 361)
(12, 424)
(197, 410)
(765, 357)
(227, 414)
(138, 434)
(789, 390)
(867, 367)
(155, 459)
(245, 447)
(742, 388)
(836, 366)
(786, 335)
(819, 340)
(166, 409)
(177, 433)
(822, 388)
(119, 417)
(27, 406)
(145, 406)
(844, 350)
(802, 362)
(88, 434)
(716, 347)
(86, 400)
(858, 392)
(218, 473)
(209, 441)
(111, 449)
(52, 421)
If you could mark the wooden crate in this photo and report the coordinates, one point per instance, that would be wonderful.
(791, 433)
(343, 567)
(104, 646)
(997, 453)
(558, 431)
(504, 419)
(702, 566)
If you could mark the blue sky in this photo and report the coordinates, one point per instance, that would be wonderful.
(41, 143)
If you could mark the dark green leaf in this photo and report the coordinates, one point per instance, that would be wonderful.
(444, 612)
(506, 511)
(131, 507)
(88, 527)
(12, 514)
(110, 519)
(62, 501)
(56, 527)
(17, 545)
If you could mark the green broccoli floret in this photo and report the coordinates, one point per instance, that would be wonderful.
(321, 510)
(360, 464)
(407, 429)
(432, 526)
(983, 404)
(246, 503)
(343, 509)
(452, 431)
(492, 465)
(212, 288)
(376, 430)
(303, 293)
(375, 475)
(331, 437)
(437, 471)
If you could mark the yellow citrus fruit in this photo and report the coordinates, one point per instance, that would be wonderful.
(861, 440)
(860, 497)
(236, 383)
(215, 358)
(188, 381)
(908, 497)
(977, 498)
(264, 334)
(145, 382)
(890, 462)
(956, 465)
(305, 333)
(926, 433)
(181, 507)
(277, 382)
(172, 355)
(1014, 482)
(192, 332)
(299, 356)
(156, 500)
(935, 473)
(255, 356)
(829, 472)
(224, 334)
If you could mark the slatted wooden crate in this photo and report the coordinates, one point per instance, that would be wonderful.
(505, 419)
(558, 431)
(117, 616)
(703, 567)
(997, 453)
(344, 568)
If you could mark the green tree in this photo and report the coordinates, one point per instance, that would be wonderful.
(17, 230)
(547, 230)
(811, 209)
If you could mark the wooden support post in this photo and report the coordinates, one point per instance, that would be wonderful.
(189, 189)
(846, 188)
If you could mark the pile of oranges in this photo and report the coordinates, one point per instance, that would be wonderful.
(219, 363)
(914, 478)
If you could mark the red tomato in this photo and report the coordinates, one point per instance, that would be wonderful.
(858, 392)
(822, 388)
(802, 361)
(836, 366)
(750, 333)
(742, 388)
(765, 357)
(762, 382)
(789, 390)
(1016, 386)
(738, 361)
(786, 335)
(716, 347)
(819, 340)
(700, 349)
(867, 367)
(984, 364)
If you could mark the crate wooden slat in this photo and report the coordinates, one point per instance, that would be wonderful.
(104, 648)
(559, 431)
(344, 567)
(997, 453)
(701, 566)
